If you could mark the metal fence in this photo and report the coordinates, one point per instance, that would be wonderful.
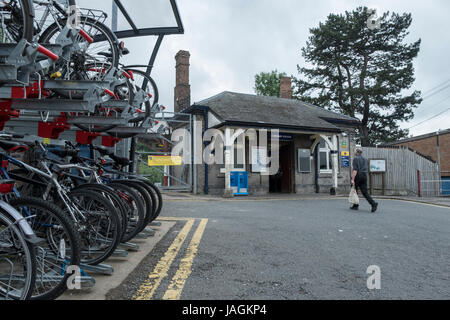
(407, 172)
(430, 185)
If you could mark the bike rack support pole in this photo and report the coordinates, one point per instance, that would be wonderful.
(100, 269)
(87, 282)
(120, 253)
(133, 247)
(155, 224)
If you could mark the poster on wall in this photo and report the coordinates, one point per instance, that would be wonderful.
(377, 166)
(345, 159)
(259, 159)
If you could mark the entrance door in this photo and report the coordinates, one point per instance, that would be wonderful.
(286, 162)
(283, 181)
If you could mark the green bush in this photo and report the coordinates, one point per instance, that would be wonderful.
(154, 174)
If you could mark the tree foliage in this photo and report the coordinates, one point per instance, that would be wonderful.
(268, 83)
(362, 72)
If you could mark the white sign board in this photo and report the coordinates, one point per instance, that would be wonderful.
(377, 166)
(259, 160)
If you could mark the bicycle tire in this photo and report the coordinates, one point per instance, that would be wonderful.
(29, 253)
(133, 227)
(152, 84)
(63, 224)
(154, 200)
(145, 196)
(121, 208)
(159, 197)
(55, 27)
(152, 195)
(113, 227)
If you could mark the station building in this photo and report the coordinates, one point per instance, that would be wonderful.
(315, 147)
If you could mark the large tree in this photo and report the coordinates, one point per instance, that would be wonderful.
(268, 83)
(363, 70)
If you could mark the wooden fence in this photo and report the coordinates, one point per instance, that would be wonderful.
(407, 172)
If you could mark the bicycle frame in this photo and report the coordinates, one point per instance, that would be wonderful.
(52, 178)
(48, 11)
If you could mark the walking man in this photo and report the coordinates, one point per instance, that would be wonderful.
(359, 178)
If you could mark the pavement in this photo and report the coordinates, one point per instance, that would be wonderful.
(180, 196)
(122, 267)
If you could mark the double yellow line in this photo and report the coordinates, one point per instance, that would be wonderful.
(161, 270)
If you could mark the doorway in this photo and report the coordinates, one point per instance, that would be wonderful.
(283, 181)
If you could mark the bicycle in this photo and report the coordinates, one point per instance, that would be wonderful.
(95, 218)
(17, 251)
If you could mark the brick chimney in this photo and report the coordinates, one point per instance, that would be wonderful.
(182, 88)
(286, 88)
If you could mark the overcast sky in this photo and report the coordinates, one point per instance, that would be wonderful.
(232, 40)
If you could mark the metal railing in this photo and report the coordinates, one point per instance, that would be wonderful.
(431, 184)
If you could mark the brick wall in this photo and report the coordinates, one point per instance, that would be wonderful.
(286, 88)
(182, 88)
(428, 147)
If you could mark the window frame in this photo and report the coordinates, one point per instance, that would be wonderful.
(329, 158)
(236, 145)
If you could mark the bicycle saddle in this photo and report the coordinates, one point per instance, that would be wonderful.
(10, 146)
(103, 151)
(120, 161)
(65, 153)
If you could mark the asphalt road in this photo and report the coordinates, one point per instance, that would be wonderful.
(307, 249)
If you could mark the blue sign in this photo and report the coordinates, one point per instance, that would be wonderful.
(345, 162)
(283, 136)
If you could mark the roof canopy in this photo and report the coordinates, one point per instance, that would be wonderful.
(260, 111)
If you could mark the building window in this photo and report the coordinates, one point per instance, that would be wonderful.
(325, 158)
(237, 155)
(304, 161)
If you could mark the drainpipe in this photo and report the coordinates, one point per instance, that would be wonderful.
(205, 117)
(316, 167)
(194, 154)
(438, 147)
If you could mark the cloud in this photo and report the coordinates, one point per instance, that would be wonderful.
(232, 40)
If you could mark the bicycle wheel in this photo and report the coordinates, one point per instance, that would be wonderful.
(135, 209)
(99, 225)
(152, 196)
(146, 83)
(101, 55)
(17, 262)
(60, 250)
(146, 197)
(18, 18)
(158, 195)
(113, 197)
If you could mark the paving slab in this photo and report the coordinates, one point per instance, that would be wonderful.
(122, 267)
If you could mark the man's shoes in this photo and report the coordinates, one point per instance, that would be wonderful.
(355, 207)
(374, 207)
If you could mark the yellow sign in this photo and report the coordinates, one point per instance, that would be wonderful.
(46, 141)
(345, 154)
(160, 161)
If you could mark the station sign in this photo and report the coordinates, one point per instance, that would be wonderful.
(283, 136)
(345, 159)
(162, 161)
